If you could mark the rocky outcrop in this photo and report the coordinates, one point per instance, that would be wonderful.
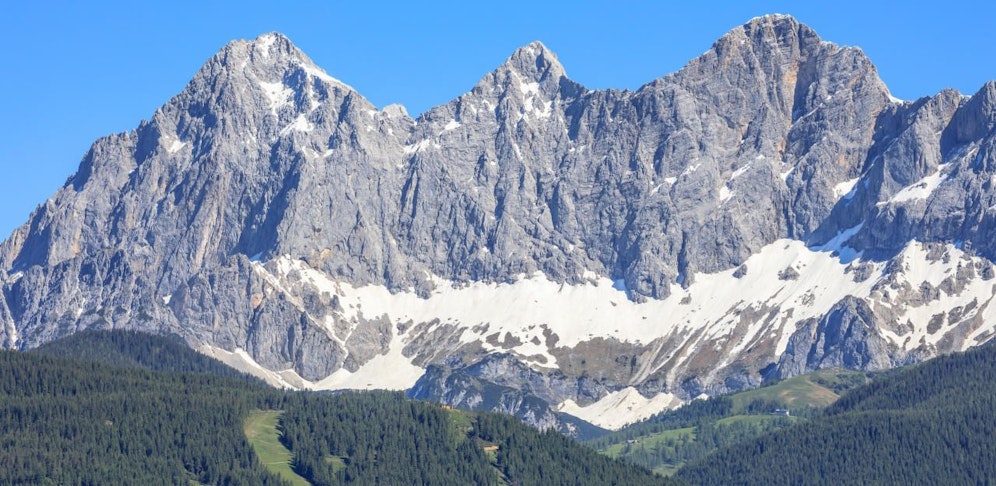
(845, 337)
(473, 390)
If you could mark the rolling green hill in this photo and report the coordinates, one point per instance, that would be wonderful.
(667, 441)
(927, 424)
(801, 394)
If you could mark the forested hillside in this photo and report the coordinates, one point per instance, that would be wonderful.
(65, 422)
(135, 349)
(383, 438)
(71, 421)
(670, 439)
(929, 424)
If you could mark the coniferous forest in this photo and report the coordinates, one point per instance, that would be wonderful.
(163, 414)
(932, 423)
(365, 436)
(66, 420)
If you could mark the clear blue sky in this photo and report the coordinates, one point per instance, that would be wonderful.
(73, 71)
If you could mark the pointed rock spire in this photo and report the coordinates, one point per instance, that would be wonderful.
(531, 69)
(270, 56)
(534, 62)
(273, 43)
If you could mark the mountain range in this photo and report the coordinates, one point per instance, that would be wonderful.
(533, 246)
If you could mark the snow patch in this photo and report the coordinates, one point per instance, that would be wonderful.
(264, 43)
(530, 93)
(725, 194)
(278, 95)
(620, 408)
(384, 372)
(921, 189)
(413, 148)
(845, 190)
(741, 171)
(452, 125)
(167, 299)
(300, 124)
(175, 146)
(836, 244)
(691, 169)
(576, 312)
(391, 371)
(977, 294)
(529, 89)
(317, 72)
(240, 360)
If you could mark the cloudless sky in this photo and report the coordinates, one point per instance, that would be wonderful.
(73, 71)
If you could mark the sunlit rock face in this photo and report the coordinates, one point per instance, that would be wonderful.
(539, 247)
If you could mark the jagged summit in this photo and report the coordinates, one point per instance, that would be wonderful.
(270, 58)
(531, 69)
(275, 44)
(772, 18)
(779, 37)
(535, 62)
(783, 31)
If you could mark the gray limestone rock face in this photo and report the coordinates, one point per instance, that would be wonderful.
(237, 215)
(472, 390)
(844, 338)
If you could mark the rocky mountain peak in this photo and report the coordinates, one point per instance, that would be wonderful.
(979, 117)
(268, 50)
(531, 69)
(270, 68)
(779, 30)
(534, 62)
(273, 43)
(781, 43)
(264, 52)
(771, 34)
(680, 239)
(264, 89)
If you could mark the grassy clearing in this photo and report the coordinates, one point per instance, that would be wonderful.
(261, 430)
(460, 424)
(652, 440)
(753, 420)
(337, 462)
(814, 390)
(667, 469)
(749, 416)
